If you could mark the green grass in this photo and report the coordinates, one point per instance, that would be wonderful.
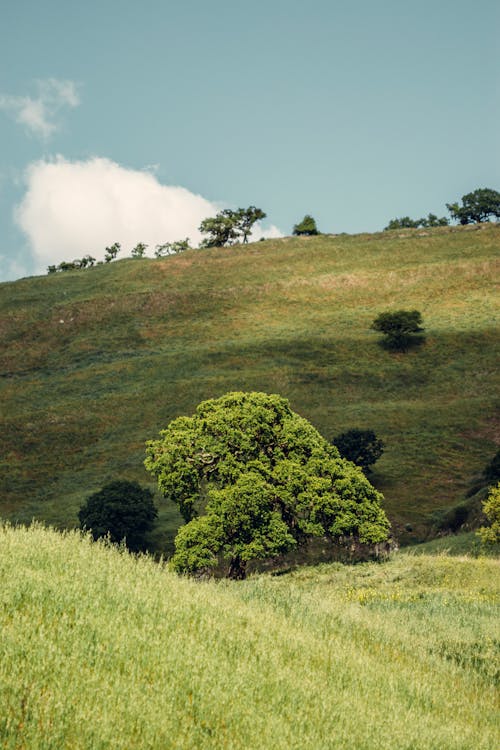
(457, 544)
(103, 650)
(96, 362)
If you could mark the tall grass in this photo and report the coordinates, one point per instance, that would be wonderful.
(103, 650)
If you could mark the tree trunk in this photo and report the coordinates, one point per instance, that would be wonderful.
(237, 569)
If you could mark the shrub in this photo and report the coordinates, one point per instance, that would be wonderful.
(362, 447)
(401, 328)
(491, 509)
(306, 227)
(122, 510)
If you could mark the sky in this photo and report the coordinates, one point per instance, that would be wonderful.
(132, 122)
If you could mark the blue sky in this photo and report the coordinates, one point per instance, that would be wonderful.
(130, 122)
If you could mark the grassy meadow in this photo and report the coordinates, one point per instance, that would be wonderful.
(101, 649)
(96, 362)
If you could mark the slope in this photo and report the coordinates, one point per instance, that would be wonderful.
(95, 362)
(100, 649)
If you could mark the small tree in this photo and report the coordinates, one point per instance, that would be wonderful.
(65, 265)
(172, 248)
(477, 206)
(221, 230)
(229, 226)
(306, 227)
(87, 261)
(402, 223)
(401, 328)
(362, 447)
(139, 251)
(161, 251)
(245, 218)
(253, 480)
(123, 510)
(112, 252)
(434, 221)
(406, 223)
(491, 509)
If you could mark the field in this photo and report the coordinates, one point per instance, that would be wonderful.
(103, 650)
(95, 362)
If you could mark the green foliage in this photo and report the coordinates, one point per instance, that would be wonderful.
(406, 223)
(307, 227)
(86, 262)
(362, 447)
(121, 510)
(172, 248)
(229, 227)
(476, 207)
(402, 223)
(139, 251)
(112, 252)
(221, 230)
(491, 509)
(253, 479)
(245, 219)
(400, 327)
(434, 221)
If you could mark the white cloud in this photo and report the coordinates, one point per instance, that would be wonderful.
(74, 208)
(268, 233)
(39, 114)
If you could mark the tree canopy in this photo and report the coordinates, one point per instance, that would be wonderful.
(431, 220)
(491, 509)
(112, 251)
(477, 206)
(229, 227)
(253, 480)
(362, 447)
(139, 251)
(121, 510)
(306, 227)
(402, 328)
(172, 248)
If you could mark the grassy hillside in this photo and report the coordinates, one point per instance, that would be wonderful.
(103, 650)
(95, 362)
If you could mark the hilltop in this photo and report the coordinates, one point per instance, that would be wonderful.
(95, 362)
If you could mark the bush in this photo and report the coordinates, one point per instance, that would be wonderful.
(306, 227)
(139, 251)
(401, 328)
(362, 447)
(122, 510)
(491, 509)
(406, 223)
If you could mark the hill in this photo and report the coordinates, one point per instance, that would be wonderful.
(95, 362)
(100, 649)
